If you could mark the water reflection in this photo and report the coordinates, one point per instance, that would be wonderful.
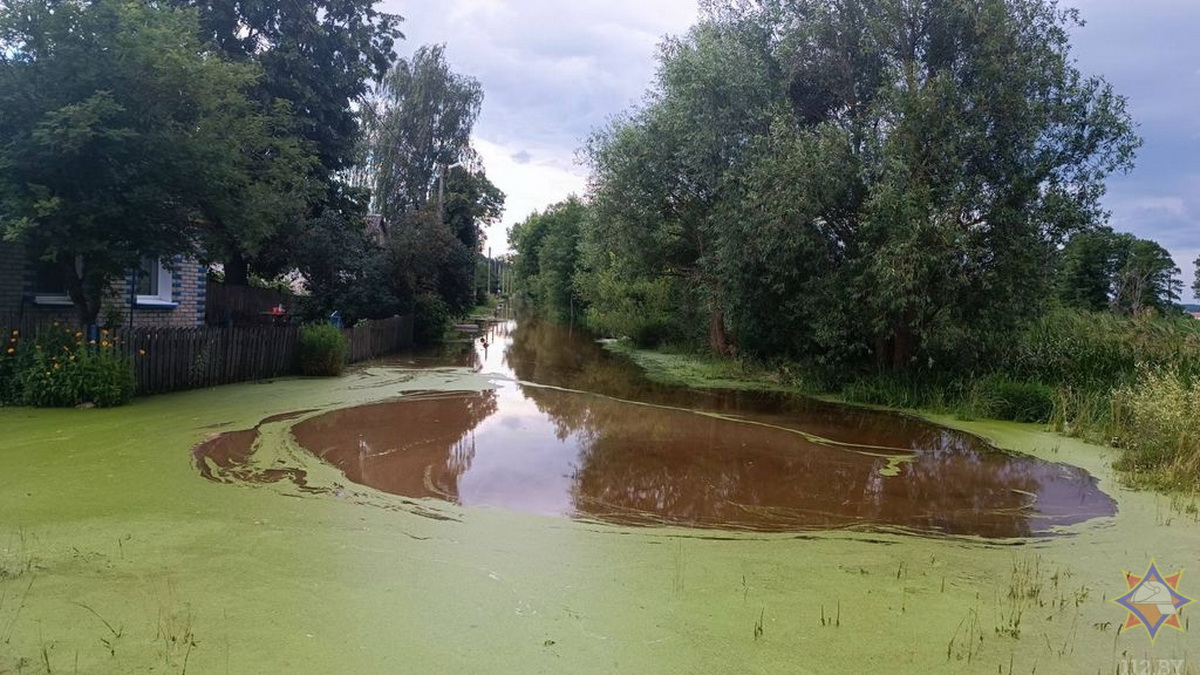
(573, 431)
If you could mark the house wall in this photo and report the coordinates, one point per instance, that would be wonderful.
(188, 288)
(187, 291)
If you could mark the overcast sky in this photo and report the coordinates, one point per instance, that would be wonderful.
(554, 70)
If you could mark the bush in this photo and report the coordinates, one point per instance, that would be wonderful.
(1099, 351)
(999, 397)
(107, 378)
(431, 318)
(1158, 424)
(322, 350)
(58, 370)
(9, 391)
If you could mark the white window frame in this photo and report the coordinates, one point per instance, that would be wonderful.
(162, 295)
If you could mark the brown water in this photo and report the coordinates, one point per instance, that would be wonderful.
(574, 431)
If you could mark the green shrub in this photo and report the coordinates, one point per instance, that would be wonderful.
(1158, 425)
(431, 319)
(9, 391)
(322, 350)
(1100, 351)
(1000, 397)
(57, 369)
(107, 378)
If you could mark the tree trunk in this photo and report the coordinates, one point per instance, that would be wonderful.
(87, 304)
(904, 345)
(237, 270)
(718, 340)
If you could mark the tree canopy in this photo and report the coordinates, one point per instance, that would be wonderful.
(120, 127)
(883, 182)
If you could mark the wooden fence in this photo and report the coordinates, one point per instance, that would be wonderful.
(243, 305)
(175, 359)
(371, 339)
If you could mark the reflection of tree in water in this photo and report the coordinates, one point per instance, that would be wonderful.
(645, 464)
(711, 459)
(418, 447)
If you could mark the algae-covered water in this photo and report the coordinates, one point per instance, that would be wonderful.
(521, 507)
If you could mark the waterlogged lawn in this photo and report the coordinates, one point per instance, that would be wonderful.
(117, 556)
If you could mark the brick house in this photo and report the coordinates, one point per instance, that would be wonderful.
(162, 297)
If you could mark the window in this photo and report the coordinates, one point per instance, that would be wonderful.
(152, 284)
(49, 284)
(49, 279)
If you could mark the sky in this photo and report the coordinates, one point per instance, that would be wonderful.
(555, 70)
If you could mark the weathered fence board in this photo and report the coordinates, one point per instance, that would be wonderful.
(243, 305)
(175, 359)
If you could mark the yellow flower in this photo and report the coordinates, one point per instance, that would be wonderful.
(72, 357)
(104, 344)
(78, 335)
(141, 352)
(56, 366)
(11, 350)
(16, 332)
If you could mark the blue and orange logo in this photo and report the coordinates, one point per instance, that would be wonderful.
(1153, 601)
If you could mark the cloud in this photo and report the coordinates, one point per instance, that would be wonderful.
(552, 73)
(528, 186)
(1148, 51)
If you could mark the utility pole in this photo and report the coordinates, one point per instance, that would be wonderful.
(489, 273)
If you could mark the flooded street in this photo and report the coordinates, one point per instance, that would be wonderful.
(572, 430)
(538, 506)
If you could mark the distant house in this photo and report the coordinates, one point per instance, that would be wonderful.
(157, 295)
(1196, 315)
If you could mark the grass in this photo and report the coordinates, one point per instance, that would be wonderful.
(676, 366)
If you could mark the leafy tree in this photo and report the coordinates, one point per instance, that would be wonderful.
(344, 264)
(471, 202)
(548, 259)
(856, 180)
(663, 173)
(1146, 277)
(1102, 269)
(317, 58)
(116, 123)
(1090, 261)
(432, 192)
(1196, 282)
(419, 125)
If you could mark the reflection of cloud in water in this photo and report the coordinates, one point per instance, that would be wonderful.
(548, 451)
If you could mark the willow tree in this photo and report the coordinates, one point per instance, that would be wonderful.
(906, 204)
(430, 186)
(979, 147)
(663, 174)
(419, 125)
